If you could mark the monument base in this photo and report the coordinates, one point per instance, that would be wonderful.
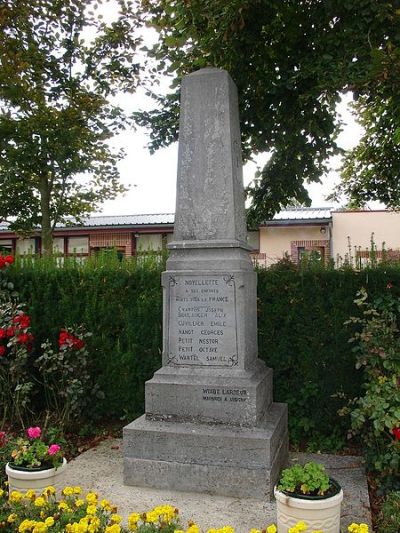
(215, 459)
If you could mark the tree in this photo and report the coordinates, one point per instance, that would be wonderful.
(371, 171)
(291, 60)
(60, 67)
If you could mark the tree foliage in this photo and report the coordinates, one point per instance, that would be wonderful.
(291, 60)
(371, 170)
(61, 64)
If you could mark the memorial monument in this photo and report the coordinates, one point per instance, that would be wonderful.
(210, 423)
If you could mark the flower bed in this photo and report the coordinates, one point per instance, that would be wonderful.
(77, 513)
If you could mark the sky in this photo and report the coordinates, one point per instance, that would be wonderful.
(152, 178)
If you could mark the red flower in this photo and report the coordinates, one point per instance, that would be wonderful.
(25, 338)
(396, 433)
(3, 438)
(22, 320)
(10, 332)
(2, 350)
(78, 344)
(9, 259)
(2, 262)
(66, 339)
(3, 333)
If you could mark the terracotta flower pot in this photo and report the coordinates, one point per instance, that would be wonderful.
(37, 479)
(317, 512)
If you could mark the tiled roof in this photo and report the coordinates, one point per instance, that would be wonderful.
(308, 214)
(304, 213)
(127, 220)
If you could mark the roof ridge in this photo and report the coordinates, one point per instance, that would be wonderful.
(132, 215)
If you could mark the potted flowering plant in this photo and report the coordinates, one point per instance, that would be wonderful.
(34, 463)
(308, 493)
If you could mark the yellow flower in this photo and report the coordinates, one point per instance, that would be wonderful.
(293, 530)
(229, 529)
(76, 528)
(79, 502)
(1, 493)
(91, 498)
(115, 528)
(30, 494)
(193, 529)
(353, 528)
(68, 491)
(40, 527)
(15, 496)
(26, 525)
(255, 531)
(105, 504)
(301, 526)
(271, 528)
(133, 519)
(363, 528)
(77, 490)
(49, 521)
(91, 509)
(94, 524)
(12, 518)
(49, 491)
(115, 518)
(152, 517)
(40, 502)
(63, 506)
(181, 531)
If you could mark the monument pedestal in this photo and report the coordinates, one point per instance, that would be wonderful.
(210, 423)
(217, 459)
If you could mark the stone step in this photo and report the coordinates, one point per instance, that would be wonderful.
(218, 459)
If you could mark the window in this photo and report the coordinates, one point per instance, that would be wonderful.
(6, 247)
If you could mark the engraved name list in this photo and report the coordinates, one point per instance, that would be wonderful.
(202, 320)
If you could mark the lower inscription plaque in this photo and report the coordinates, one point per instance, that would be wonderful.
(202, 320)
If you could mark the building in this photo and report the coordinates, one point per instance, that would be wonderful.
(327, 233)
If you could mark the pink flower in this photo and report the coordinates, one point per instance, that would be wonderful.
(34, 433)
(53, 449)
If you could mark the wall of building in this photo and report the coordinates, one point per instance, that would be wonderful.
(358, 226)
(276, 241)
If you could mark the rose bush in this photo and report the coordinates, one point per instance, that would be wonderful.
(375, 416)
(37, 380)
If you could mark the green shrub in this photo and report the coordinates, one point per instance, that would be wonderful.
(376, 413)
(301, 332)
(389, 518)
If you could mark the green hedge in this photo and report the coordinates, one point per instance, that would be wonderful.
(302, 335)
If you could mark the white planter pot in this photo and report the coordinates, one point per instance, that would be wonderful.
(38, 481)
(317, 514)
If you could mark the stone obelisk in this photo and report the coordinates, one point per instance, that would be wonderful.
(210, 423)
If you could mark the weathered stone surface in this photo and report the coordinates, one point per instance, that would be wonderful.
(210, 318)
(210, 423)
(210, 198)
(240, 399)
(232, 461)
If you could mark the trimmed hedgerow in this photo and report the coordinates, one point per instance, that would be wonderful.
(302, 335)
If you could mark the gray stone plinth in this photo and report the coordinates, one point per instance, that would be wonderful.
(225, 460)
(232, 398)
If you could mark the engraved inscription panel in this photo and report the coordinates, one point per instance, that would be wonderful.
(202, 329)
